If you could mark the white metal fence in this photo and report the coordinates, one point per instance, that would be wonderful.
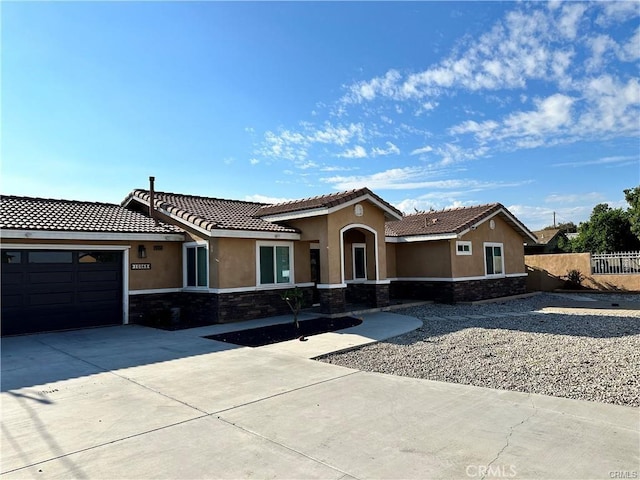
(620, 263)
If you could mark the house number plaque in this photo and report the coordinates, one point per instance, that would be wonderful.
(140, 266)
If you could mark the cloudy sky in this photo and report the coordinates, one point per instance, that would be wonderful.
(429, 104)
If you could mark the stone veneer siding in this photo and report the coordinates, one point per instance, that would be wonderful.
(193, 309)
(332, 300)
(463, 291)
(370, 295)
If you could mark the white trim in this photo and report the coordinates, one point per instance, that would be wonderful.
(375, 242)
(98, 236)
(292, 278)
(421, 238)
(152, 291)
(125, 286)
(353, 260)
(55, 246)
(314, 212)
(254, 235)
(457, 279)
(464, 243)
(125, 263)
(484, 251)
(196, 244)
(368, 282)
(280, 286)
(329, 286)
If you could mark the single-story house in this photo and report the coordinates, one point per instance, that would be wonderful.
(183, 260)
(548, 241)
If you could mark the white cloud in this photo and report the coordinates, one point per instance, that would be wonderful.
(422, 150)
(623, 159)
(564, 199)
(391, 149)
(356, 152)
(257, 198)
(616, 12)
(552, 113)
(482, 130)
(410, 178)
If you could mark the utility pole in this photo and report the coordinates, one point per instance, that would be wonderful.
(554, 219)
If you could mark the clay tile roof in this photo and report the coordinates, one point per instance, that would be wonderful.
(441, 222)
(322, 201)
(28, 213)
(211, 213)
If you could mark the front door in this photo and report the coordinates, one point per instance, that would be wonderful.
(315, 273)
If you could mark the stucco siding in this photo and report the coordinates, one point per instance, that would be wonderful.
(423, 259)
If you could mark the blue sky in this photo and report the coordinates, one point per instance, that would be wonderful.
(429, 104)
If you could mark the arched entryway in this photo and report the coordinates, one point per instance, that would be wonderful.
(360, 267)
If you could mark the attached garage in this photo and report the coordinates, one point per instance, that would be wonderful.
(67, 264)
(45, 290)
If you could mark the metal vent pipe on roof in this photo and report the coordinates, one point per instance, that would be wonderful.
(152, 199)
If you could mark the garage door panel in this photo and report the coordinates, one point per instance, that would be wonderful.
(44, 291)
(97, 296)
(99, 276)
(49, 277)
(53, 299)
(12, 300)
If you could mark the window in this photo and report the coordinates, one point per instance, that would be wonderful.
(196, 266)
(359, 261)
(50, 257)
(275, 263)
(494, 260)
(10, 256)
(463, 248)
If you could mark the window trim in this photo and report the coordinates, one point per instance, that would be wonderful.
(185, 266)
(353, 261)
(464, 243)
(275, 244)
(484, 249)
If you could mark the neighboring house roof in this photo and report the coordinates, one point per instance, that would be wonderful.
(207, 213)
(545, 236)
(324, 204)
(452, 222)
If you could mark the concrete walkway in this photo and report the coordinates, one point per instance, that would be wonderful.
(134, 402)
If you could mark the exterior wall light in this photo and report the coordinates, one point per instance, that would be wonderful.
(142, 251)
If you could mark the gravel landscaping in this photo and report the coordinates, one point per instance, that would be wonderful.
(518, 345)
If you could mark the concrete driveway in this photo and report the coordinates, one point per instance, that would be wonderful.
(134, 402)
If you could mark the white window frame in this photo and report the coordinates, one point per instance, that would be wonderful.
(353, 261)
(292, 279)
(463, 243)
(185, 266)
(484, 250)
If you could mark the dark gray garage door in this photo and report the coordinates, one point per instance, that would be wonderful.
(45, 290)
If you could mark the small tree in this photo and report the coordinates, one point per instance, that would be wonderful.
(295, 300)
(607, 230)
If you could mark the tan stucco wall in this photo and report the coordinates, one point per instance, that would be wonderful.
(392, 271)
(166, 264)
(473, 265)
(372, 217)
(235, 259)
(548, 272)
(325, 230)
(423, 259)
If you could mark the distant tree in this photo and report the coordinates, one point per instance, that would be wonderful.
(607, 230)
(632, 195)
(566, 227)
